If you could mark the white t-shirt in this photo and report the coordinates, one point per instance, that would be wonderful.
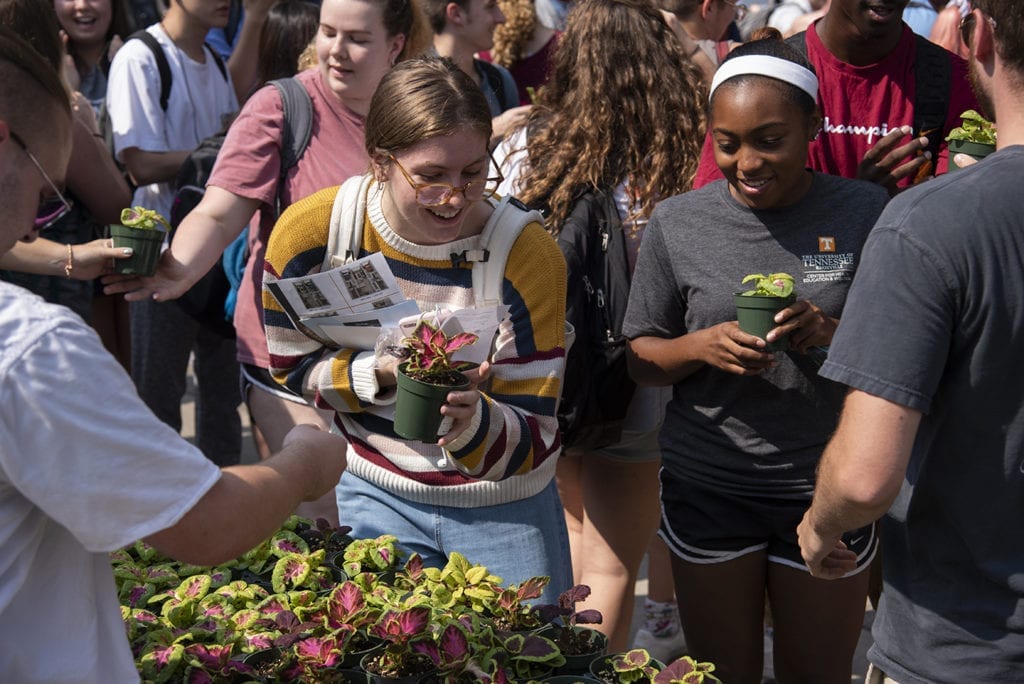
(85, 468)
(784, 15)
(200, 104)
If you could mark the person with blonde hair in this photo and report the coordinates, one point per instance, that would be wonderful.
(615, 130)
(356, 43)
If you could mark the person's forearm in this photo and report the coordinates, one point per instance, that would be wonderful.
(153, 167)
(863, 467)
(206, 232)
(243, 508)
(658, 361)
(94, 178)
(243, 60)
(41, 257)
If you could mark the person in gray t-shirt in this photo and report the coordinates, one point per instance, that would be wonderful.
(932, 433)
(745, 428)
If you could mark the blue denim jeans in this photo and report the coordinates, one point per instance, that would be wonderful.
(516, 541)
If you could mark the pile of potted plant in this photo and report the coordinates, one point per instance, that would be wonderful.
(283, 613)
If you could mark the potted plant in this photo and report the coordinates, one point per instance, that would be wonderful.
(399, 662)
(686, 670)
(635, 665)
(144, 231)
(580, 645)
(426, 377)
(976, 137)
(756, 308)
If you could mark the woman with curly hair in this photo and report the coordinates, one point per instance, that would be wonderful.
(617, 128)
(525, 44)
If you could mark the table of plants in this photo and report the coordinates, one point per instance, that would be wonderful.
(312, 604)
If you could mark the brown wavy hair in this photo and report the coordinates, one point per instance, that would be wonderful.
(622, 102)
(511, 37)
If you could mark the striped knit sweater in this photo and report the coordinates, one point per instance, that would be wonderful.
(509, 451)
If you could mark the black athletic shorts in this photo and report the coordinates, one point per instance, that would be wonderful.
(704, 525)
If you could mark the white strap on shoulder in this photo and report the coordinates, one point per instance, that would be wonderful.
(499, 235)
(347, 217)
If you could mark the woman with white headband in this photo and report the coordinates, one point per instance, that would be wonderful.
(746, 427)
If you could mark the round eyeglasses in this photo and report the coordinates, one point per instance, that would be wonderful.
(435, 194)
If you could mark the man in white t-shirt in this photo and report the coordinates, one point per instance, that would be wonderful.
(85, 468)
(152, 137)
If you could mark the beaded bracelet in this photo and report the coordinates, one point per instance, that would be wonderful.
(70, 265)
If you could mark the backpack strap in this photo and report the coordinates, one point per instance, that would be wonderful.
(494, 80)
(510, 216)
(217, 60)
(297, 128)
(161, 63)
(164, 68)
(932, 77)
(345, 237)
(499, 235)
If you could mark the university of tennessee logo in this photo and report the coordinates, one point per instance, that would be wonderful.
(826, 244)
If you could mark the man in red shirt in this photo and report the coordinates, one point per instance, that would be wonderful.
(865, 58)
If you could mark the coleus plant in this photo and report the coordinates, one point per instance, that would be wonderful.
(564, 617)
(634, 665)
(772, 285)
(686, 670)
(144, 219)
(400, 630)
(430, 355)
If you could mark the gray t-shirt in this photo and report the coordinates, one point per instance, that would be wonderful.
(760, 435)
(935, 322)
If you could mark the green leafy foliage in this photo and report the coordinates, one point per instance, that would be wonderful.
(686, 670)
(772, 285)
(975, 128)
(144, 219)
(191, 624)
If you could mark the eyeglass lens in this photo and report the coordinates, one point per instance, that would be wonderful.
(967, 29)
(49, 212)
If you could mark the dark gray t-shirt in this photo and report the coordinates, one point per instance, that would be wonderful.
(935, 322)
(761, 435)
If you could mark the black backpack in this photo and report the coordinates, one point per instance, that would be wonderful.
(497, 84)
(597, 389)
(212, 299)
(932, 77)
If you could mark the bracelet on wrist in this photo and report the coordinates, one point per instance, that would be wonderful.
(70, 265)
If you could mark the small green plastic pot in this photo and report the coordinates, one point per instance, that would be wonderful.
(418, 407)
(756, 316)
(975, 149)
(146, 246)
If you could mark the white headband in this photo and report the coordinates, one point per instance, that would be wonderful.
(772, 67)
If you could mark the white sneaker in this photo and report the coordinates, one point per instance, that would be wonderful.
(665, 649)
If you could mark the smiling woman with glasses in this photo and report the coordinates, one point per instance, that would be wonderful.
(423, 208)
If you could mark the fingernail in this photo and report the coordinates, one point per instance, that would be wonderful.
(127, 251)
